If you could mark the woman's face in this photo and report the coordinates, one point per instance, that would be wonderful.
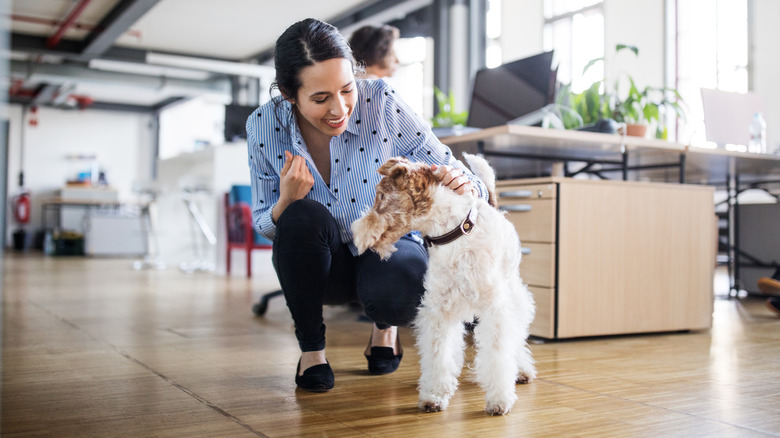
(327, 96)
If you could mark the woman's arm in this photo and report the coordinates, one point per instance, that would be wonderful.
(413, 138)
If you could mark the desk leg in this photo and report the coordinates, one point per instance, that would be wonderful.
(625, 165)
(731, 196)
(682, 168)
(737, 284)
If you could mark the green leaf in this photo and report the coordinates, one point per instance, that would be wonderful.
(590, 64)
(620, 47)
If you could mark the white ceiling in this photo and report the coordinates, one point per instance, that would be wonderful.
(230, 30)
(226, 29)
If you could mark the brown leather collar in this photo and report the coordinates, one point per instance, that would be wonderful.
(464, 229)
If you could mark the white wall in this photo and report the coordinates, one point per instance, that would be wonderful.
(215, 169)
(637, 23)
(121, 141)
(522, 24)
(765, 33)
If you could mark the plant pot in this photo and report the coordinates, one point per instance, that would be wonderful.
(636, 130)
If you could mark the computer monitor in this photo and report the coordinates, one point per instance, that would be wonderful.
(235, 121)
(512, 90)
(727, 115)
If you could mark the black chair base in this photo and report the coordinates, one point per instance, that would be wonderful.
(261, 306)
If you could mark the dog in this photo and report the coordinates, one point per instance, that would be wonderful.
(473, 272)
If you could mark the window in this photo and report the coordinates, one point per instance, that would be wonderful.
(410, 79)
(575, 30)
(712, 52)
(493, 55)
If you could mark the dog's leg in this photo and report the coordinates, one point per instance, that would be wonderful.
(440, 345)
(524, 303)
(495, 365)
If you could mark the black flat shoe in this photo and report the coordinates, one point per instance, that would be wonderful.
(383, 361)
(318, 378)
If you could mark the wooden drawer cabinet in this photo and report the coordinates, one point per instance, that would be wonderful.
(538, 265)
(543, 325)
(534, 220)
(614, 257)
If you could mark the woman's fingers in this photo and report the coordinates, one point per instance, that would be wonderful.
(453, 178)
(288, 160)
(297, 180)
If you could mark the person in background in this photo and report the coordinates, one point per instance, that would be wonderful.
(771, 286)
(313, 157)
(372, 47)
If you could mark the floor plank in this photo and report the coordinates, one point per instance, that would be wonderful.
(91, 347)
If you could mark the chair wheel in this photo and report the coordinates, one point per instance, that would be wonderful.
(260, 308)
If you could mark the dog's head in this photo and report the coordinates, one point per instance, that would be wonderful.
(403, 196)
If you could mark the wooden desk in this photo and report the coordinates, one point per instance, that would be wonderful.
(527, 152)
(56, 205)
(614, 257)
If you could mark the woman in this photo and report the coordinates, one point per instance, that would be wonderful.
(372, 47)
(313, 156)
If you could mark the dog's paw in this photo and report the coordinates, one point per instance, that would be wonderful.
(500, 402)
(525, 377)
(497, 408)
(433, 404)
(430, 407)
(362, 235)
(384, 250)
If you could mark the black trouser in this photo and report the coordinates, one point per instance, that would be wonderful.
(315, 268)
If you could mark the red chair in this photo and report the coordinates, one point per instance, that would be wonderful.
(240, 233)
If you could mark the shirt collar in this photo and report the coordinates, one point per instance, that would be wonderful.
(352, 124)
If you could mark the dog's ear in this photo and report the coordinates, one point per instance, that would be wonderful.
(395, 166)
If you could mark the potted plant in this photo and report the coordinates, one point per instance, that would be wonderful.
(584, 109)
(640, 108)
(447, 117)
(637, 109)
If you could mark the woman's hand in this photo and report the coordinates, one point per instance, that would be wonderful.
(453, 178)
(295, 183)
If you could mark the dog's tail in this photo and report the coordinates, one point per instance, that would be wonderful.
(482, 169)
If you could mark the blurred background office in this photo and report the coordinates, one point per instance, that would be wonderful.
(143, 101)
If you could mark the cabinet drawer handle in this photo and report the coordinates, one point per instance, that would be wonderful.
(515, 208)
(524, 250)
(516, 194)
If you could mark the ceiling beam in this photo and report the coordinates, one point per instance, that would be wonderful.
(98, 105)
(113, 25)
(46, 94)
(70, 49)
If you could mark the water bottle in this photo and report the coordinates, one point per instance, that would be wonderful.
(757, 141)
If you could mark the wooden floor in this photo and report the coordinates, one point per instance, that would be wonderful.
(91, 348)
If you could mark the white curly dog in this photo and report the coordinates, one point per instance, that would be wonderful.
(473, 271)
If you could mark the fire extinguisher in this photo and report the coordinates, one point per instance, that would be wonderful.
(21, 208)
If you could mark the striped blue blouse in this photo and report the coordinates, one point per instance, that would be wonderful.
(381, 126)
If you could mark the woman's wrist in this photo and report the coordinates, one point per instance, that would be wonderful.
(277, 210)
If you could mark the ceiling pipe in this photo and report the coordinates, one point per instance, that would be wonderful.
(61, 74)
(54, 40)
(54, 23)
